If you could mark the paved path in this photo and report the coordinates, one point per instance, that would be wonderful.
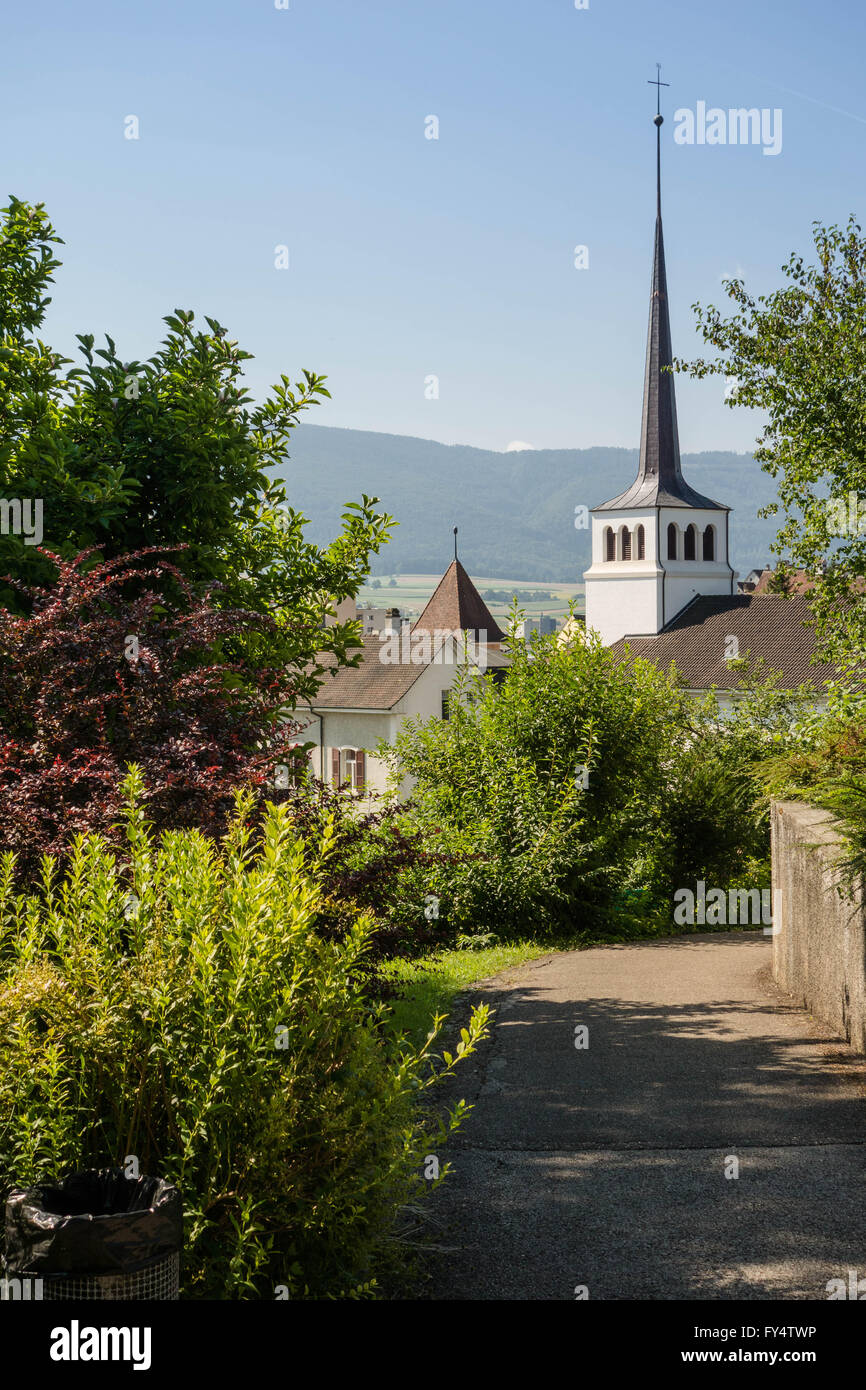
(605, 1167)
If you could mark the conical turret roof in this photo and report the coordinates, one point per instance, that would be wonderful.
(457, 606)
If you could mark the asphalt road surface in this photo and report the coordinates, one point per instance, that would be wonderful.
(606, 1170)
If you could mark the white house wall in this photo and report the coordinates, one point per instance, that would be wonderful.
(344, 729)
(367, 728)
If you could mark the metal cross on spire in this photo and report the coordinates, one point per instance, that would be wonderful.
(658, 122)
(658, 84)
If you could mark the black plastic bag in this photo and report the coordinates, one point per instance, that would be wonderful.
(99, 1222)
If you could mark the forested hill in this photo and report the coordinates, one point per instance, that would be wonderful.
(515, 511)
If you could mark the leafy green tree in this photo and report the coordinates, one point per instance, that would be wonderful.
(556, 780)
(577, 794)
(167, 452)
(799, 354)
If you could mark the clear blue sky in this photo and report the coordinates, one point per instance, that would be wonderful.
(409, 256)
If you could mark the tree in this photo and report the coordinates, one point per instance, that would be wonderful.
(168, 452)
(800, 355)
(581, 791)
(102, 675)
(553, 779)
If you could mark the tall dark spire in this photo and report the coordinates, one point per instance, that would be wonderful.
(659, 440)
(659, 480)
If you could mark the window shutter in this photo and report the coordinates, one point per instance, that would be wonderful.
(335, 766)
(360, 769)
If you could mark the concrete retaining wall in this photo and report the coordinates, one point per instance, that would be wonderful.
(819, 955)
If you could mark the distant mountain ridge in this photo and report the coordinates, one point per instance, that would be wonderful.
(515, 510)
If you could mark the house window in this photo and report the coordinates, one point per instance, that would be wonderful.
(355, 761)
(689, 543)
(349, 768)
(446, 697)
(672, 541)
(609, 544)
(641, 543)
(710, 543)
(625, 543)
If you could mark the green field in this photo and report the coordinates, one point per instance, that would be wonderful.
(410, 593)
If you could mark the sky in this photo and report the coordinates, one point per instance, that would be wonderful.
(432, 280)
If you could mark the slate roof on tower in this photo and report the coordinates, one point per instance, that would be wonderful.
(457, 606)
(659, 481)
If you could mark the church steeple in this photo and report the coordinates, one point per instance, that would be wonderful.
(659, 440)
(660, 544)
(659, 480)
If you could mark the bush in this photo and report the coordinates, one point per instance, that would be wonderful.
(714, 823)
(503, 781)
(827, 767)
(102, 675)
(182, 1008)
(381, 863)
(578, 794)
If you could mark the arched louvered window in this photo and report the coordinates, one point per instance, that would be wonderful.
(672, 541)
(710, 543)
(641, 543)
(689, 543)
(624, 543)
(609, 544)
